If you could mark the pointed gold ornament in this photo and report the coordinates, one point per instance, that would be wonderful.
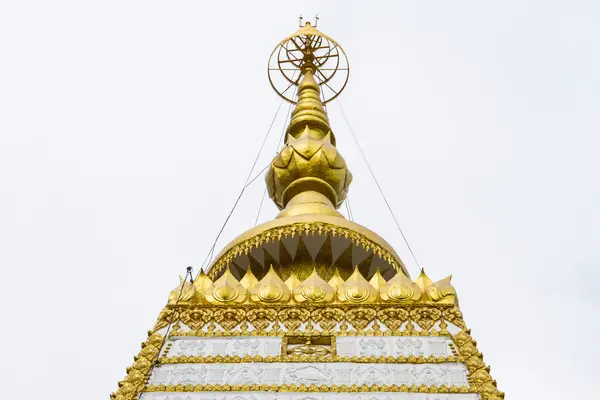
(249, 280)
(336, 280)
(184, 293)
(356, 289)
(226, 289)
(314, 290)
(377, 280)
(442, 291)
(201, 283)
(400, 288)
(292, 282)
(270, 289)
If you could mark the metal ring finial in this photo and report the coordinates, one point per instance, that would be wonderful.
(306, 49)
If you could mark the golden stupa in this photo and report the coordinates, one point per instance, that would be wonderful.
(309, 306)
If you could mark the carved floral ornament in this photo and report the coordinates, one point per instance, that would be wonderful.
(341, 320)
(271, 289)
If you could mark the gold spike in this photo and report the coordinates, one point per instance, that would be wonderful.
(249, 280)
(377, 280)
(255, 266)
(423, 282)
(356, 289)
(293, 282)
(285, 260)
(201, 283)
(226, 289)
(344, 262)
(365, 266)
(314, 290)
(400, 288)
(303, 261)
(442, 291)
(336, 280)
(270, 289)
(184, 293)
(324, 258)
(270, 261)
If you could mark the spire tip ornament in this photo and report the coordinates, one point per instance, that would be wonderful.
(309, 175)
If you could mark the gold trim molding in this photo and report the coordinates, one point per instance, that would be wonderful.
(273, 359)
(309, 388)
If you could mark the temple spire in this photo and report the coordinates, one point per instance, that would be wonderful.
(309, 176)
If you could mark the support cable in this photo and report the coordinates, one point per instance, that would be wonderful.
(188, 274)
(377, 183)
(279, 144)
(246, 184)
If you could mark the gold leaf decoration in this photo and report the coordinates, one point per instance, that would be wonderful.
(393, 318)
(229, 318)
(361, 317)
(400, 288)
(314, 290)
(184, 293)
(327, 317)
(270, 289)
(292, 318)
(426, 317)
(226, 289)
(356, 289)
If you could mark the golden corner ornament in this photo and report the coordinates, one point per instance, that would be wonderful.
(309, 281)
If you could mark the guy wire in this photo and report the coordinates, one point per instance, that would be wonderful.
(377, 183)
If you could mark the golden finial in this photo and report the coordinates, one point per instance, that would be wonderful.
(226, 289)
(336, 280)
(442, 291)
(377, 280)
(249, 280)
(423, 280)
(356, 289)
(314, 290)
(270, 289)
(201, 283)
(400, 288)
(309, 176)
(184, 293)
(292, 282)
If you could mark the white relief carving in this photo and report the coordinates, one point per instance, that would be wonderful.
(245, 375)
(227, 346)
(372, 347)
(307, 396)
(311, 373)
(372, 374)
(308, 374)
(377, 346)
(410, 346)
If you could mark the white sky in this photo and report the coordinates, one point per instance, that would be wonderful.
(128, 127)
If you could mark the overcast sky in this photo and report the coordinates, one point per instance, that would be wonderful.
(127, 129)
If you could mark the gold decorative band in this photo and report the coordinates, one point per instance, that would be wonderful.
(307, 388)
(303, 358)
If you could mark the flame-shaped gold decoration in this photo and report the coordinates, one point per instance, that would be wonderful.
(443, 291)
(184, 293)
(377, 280)
(292, 282)
(202, 283)
(249, 280)
(356, 289)
(226, 289)
(400, 288)
(314, 290)
(270, 289)
(336, 280)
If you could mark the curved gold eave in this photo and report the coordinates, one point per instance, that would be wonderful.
(275, 229)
